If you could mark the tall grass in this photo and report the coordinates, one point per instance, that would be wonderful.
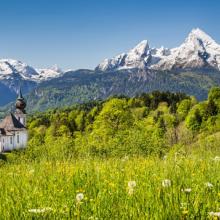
(48, 189)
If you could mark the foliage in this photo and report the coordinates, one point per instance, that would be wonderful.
(111, 128)
(143, 125)
(153, 156)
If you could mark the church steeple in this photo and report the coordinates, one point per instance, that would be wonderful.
(20, 102)
(20, 105)
(20, 94)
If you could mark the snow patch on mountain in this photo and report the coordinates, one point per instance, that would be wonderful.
(53, 72)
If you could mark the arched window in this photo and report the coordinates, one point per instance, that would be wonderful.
(18, 138)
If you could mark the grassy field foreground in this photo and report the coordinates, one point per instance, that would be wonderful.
(179, 186)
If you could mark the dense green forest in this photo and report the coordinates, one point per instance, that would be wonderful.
(147, 124)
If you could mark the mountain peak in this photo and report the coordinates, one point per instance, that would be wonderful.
(141, 48)
(198, 34)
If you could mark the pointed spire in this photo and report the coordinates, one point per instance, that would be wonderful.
(20, 103)
(20, 96)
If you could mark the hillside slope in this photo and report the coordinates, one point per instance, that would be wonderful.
(85, 85)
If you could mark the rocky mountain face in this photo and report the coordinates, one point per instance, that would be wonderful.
(198, 51)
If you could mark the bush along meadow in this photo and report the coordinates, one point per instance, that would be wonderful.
(153, 156)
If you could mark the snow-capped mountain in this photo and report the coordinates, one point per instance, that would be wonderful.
(199, 50)
(10, 68)
(53, 72)
(15, 74)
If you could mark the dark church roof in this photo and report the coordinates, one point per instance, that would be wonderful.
(11, 123)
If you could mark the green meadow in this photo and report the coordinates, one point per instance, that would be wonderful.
(155, 156)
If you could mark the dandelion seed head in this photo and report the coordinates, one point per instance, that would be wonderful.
(132, 184)
(209, 185)
(166, 183)
(214, 214)
(216, 159)
(79, 197)
(42, 210)
(187, 190)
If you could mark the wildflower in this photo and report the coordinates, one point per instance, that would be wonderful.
(164, 157)
(131, 186)
(47, 209)
(125, 158)
(214, 214)
(166, 183)
(93, 218)
(31, 171)
(183, 205)
(216, 159)
(185, 212)
(208, 185)
(79, 197)
(187, 190)
(130, 191)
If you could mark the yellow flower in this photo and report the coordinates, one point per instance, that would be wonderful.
(185, 212)
(112, 185)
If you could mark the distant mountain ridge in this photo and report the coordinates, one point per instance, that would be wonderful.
(198, 51)
(192, 68)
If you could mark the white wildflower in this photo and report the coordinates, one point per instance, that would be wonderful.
(47, 209)
(187, 190)
(79, 197)
(183, 205)
(209, 185)
(131, 185)
(164, 157)
(166, 183)
(31, 171)
(130, 191)
(125, 158)
(214, 214)
(216, 159)
(92, 218)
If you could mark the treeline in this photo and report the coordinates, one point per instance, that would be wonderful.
(142, 125)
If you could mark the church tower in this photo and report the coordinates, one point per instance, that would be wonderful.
(20, 112)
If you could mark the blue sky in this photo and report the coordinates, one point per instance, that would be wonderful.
(81, 33)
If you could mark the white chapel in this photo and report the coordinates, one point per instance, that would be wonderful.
(13, 131)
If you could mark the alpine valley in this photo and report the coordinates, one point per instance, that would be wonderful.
(192, 68)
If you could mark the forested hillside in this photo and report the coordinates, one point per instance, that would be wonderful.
(143, 125)
(85, 85)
